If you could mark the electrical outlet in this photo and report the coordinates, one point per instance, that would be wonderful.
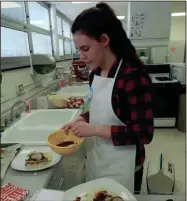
(20, 89)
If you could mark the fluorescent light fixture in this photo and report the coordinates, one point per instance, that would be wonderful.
(10, 5)
(81, 2)
(178, 14)
(121, 17)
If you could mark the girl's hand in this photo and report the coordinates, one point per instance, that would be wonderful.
(69, 125)
(83, 129)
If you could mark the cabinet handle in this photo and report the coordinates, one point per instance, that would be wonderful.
(60, 183)
(71, 168)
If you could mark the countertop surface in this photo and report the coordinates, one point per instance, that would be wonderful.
(32, 181)
(49, 195)
(35, 181)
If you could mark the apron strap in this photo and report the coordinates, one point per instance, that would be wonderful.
(118, 68)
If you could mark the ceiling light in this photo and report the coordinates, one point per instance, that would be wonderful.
(178, 14)
(10, 5)
(121, 17)
(81, 2)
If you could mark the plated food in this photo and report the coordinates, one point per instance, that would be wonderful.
(102, 189)
(35, 159)
(66, 101)
(99, 196)
(58, 100)
(75, 102)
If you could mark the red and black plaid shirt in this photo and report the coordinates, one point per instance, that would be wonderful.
(132, 104)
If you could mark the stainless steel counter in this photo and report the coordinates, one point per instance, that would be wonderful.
(68, 173)
(29, 180)
(180, 197)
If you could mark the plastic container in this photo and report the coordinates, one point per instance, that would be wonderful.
(144, 59)
(28, 102)
(74, 79)
(69, 79)
(61, 136)
(66, 76)
(62, 82)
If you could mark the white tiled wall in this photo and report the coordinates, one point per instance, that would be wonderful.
(15, 77)
(22, 76)
(66, 64)
(177, 39)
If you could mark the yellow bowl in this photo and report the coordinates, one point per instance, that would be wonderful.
(60, 136)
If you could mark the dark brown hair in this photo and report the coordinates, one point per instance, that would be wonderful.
(101, 19)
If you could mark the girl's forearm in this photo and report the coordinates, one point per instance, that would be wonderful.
(103, 131)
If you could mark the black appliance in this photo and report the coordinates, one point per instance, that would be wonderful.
(166, 95)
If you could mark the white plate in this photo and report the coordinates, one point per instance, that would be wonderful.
(86, 191)
(19, 161)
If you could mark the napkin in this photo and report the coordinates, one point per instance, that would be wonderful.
(10, 192)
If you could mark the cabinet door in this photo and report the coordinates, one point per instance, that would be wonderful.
(157, 20)
(159, 55)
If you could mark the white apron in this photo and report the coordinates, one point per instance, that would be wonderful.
(103, 158)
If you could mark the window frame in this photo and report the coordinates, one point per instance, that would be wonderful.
(63, 17)
(8, 63)
(63, 30)
(13, 63)
(46, 6)
(59, 38)
(17, 20)
(58, 16)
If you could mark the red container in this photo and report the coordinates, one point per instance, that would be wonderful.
(62, 83)
(77, 65)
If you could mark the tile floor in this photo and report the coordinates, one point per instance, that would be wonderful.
(170, 142)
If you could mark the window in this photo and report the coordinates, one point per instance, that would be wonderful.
(66, 29)
(13, 10)
(39, 16)
(59, 25)
(16, 35)
(74, 50)
(41, 43)
(61, 47)
(67, 47)
(14, 43)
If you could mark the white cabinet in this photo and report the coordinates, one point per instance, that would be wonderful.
(157, 19)
(159, 55)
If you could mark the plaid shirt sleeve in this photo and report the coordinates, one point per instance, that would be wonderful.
(139, 125)
(85, 116)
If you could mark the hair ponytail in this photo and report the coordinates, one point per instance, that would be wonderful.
(101, 19)
(104, 6)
